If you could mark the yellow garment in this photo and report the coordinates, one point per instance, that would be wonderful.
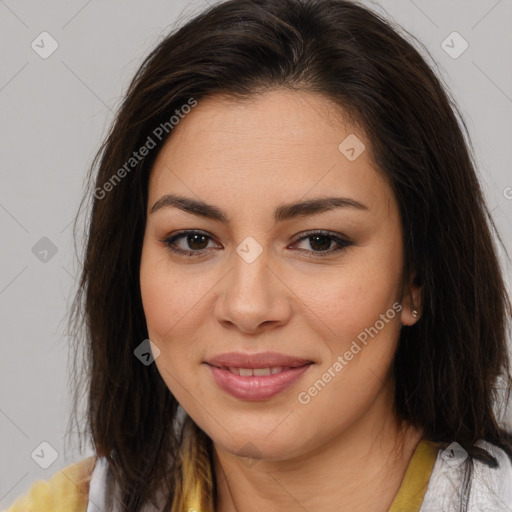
(414, 484)
(68, 490)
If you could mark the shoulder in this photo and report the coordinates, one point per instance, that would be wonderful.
(67, 490)
(492, 486)
(481, 487)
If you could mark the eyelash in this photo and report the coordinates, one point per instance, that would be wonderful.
(342, 243)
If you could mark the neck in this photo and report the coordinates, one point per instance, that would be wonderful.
(359, 469)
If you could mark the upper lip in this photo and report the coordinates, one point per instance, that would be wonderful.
(261, 360)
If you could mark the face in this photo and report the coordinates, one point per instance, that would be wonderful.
(322, 285)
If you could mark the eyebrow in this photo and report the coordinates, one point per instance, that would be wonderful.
(281, 213)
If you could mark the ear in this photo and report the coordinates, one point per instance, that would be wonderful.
(411, 290)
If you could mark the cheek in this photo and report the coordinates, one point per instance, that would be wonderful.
(164, 299)
(361, 309)
(353, 297)
(156, 293)
(355, 368)
(168, 294)
(175, 303)
(167, 304)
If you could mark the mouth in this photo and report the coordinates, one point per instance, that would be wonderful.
(255, 381)
(263, 363)
(256, 372)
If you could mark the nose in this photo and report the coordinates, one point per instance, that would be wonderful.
(254, 297)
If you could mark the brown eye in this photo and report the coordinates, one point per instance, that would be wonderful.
(320, 243)
(191, 243)
(196, 241)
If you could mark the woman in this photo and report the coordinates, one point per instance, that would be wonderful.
(287, 208)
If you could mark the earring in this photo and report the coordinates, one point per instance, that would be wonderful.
(414, 310)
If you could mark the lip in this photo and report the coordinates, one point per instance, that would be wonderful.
(261, 360)
(256, 387)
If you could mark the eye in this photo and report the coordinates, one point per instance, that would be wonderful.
(195, 240)
(195, 243)
(320, 241)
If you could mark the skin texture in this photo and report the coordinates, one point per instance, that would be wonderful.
(247, 158)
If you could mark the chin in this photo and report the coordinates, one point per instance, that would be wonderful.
(259, 446)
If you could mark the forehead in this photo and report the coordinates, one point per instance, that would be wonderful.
(279, 145)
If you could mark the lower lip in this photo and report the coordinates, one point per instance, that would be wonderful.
(256, 388)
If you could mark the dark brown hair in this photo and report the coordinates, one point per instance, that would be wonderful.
(446, 366)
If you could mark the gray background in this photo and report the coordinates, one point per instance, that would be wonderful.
(54, 114)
